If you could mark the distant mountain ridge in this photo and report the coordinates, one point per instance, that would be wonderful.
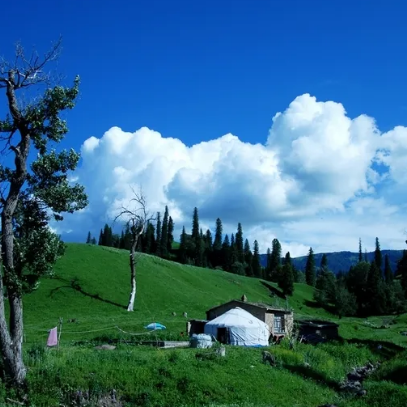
(341, 261)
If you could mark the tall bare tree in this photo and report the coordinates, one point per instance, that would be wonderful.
(31, 189)
(137, 218)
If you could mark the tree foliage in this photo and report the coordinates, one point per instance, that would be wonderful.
(33, 192)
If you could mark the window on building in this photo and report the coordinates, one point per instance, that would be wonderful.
(278, 324)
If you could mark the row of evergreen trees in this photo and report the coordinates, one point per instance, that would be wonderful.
(158, 239)
(367, 289)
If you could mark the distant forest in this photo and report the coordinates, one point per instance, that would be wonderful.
(359, 283)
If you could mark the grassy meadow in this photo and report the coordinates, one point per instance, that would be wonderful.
(91, 288)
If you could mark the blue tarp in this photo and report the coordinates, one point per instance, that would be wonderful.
(154, 326)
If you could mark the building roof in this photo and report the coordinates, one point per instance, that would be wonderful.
(318, 324)
(266, 307)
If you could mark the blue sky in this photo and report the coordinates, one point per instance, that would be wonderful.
(197, 70)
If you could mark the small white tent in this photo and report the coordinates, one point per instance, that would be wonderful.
(239, 327)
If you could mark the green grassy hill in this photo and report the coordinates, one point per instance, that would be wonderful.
(97, 300)
(101, 278)
(91, 286)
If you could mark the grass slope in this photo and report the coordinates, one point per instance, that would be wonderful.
(151, 377)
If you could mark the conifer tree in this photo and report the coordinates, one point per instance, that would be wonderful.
(378, 255)
(158, 231)
(324, 263)
(256, 266)
(149, 239)
(89, 238)
(226, 255)
(239, 243)
(402, 271)
(170, 239)
(388, 273)
(375, 296)
(366, 258)
(248, 256)
(93, 240)
(310, 268)
(101, 238)
(268, 263)
(217, 244)
(182, 251)
(275, 260)
(286, 281)
(164, 235)
(121, 243)
(107, 236)
(208, 251)
(196, 239)
(233, 249)
(360, 250)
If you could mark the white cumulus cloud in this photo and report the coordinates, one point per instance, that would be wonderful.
(320, 179)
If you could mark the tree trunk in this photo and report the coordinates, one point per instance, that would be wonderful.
(132, 277)
(11, 340)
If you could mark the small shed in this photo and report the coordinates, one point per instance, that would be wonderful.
(279, 321)
(316, 330)
(239, 327)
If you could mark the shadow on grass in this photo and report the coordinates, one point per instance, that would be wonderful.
(314, 304)
(312, 374)
(74, 285)
(398, 375)
(386, 350)
(274, 291)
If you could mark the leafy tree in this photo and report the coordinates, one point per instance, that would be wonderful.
(89, 238)
(388, 273)
(239, 243)
(325, 287)
(360, 250)
(256, 266)
(35, 189)
(378, 255)
(310, 268)
(238, 268)
(345, 302)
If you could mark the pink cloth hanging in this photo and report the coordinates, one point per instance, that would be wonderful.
(53, 337)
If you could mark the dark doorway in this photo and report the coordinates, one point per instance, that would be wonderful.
(223, 335)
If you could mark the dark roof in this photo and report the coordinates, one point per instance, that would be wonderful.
(318, 324)
(255, 304)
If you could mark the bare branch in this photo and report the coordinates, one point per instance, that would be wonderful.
(27, 71)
